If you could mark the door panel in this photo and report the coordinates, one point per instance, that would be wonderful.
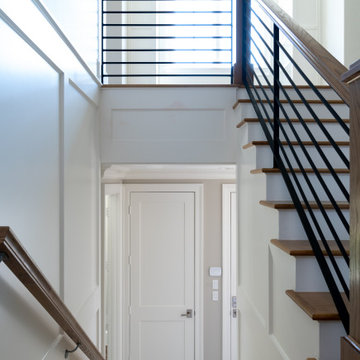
(161, 275)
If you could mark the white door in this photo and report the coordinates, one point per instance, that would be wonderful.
(230, 313)
(162, 240)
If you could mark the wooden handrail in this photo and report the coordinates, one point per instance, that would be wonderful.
(24, 268)
(326, 65)
(350, 346)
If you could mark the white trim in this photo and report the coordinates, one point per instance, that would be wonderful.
(120, 172)
(23, 36)
(228, 272)
(53, 346)
(197, 189)
(75, 86)
(62, 185)
(63, 37)
(115, 270)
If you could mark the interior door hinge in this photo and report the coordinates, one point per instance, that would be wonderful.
(129, 209)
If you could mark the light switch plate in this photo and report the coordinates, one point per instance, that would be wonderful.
(215, 271)
(215, 284)
(215, 295)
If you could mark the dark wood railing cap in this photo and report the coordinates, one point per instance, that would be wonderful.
(352, 74)
(326, 64)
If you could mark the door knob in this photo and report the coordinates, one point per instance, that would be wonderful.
(188, 314)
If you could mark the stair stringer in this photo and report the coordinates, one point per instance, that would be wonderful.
(271, 325)
(259, 293)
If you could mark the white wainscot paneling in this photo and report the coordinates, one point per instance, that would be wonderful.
(29, 150)
(29, 187)
(169, 125)
(81, 186)
(41, 28)
(26, 329)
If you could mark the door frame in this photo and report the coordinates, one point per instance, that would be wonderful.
(197, 189)
(229, 271)
(111, 248)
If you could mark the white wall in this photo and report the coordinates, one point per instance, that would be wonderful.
(352, 32)
(308, 14)
(80, 21)
(49, 186)
(332, 19)
(341, 29)
(168, 125)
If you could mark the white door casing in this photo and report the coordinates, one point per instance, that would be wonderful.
(162, 276)
(229, 260)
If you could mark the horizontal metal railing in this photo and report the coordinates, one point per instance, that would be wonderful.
(149, 41)
(267, 92)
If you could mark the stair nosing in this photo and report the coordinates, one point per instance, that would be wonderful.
(301, 252)
(294, 143)
(288, 205)
(295, 101)
(324, 121)
(298, 170)
(315, 314)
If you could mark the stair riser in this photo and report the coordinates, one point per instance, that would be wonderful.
(264, 156)
(307, 93)
(330, 334)
(277, 190)
(290, 226)
(246, 110)
(310, 278)
(255, 132)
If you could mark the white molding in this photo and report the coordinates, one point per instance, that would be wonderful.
(169, 172)
(18, 31)
(282, 352)
(62, 186)
(92, 299)
(116, 273)
(197, 189)
(75, 86)
(49, 354)
(227, 190)
(244, 297)
(199, 271)
(40, 6)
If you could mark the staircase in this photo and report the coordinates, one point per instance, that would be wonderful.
(289, 299)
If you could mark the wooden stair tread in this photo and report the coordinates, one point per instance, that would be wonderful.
(324, 121)
(296, 170)
(306, 87)
(284, 101)
(294, 143)
(303, 247)
(318, 305)
(288, 205)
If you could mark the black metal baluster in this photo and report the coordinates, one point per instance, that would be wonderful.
(276, 94)
(102, 39)
(272, 127)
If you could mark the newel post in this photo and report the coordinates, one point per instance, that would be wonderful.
(242, 36)
(350, 345)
